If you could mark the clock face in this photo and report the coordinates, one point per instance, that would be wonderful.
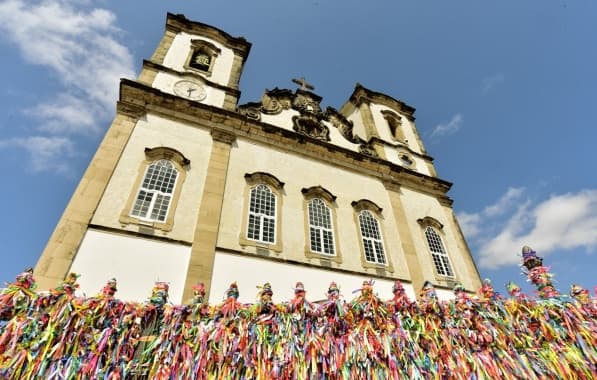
(190, 90)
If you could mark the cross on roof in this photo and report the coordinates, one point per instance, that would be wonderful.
(303, 83)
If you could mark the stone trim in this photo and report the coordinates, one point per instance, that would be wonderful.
(362, 95)
(223, 136)
(205, 238)
(152, 155)
(330, 201)
(368, 205)
(118, 231)
(179, 23)
(413, 261)
(165, 43)
(277, 187)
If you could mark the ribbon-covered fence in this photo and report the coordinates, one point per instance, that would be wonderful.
(57, 335)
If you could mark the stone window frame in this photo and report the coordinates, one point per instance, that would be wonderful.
(152, 155)
(209, 48)
(438, 228)
(395, 125)
(367, 205)
(318, 192)
(277, 188)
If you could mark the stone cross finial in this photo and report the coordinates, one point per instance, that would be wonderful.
(303, 83)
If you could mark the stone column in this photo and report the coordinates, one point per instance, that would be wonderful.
(203, 251)
(406, 238)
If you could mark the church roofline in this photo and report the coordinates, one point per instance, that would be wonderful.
(362, 94)
(178, 23)
(136, 103)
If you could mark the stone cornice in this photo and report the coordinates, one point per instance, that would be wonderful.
(376, 139)
(179, 23)
(155, 101)
(188, 74)
(364, 95)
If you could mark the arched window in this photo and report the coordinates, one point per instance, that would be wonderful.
(321, 235)
(371, 236)
(262, 215)
(155, 193)
(438, 253)
(156, 190)
(202, 56)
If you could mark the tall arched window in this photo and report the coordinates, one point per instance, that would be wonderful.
(321, 234)
(372, 241)
(156, 190)
(155, 193)
(262, 215)
(438, 253)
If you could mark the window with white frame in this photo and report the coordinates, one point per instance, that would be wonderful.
(156, 190)
(262, 214)
(321, 234)
(438, 253)
(372, 242)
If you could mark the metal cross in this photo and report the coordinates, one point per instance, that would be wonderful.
(303, 83)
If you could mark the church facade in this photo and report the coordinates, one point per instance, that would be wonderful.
(187, 186)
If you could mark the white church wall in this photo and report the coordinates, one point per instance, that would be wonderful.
(151, 132)
(250, 272)
(179, 51)
(419, 205)
(135, 262)
(166, 81)
(281, 120)
(408, 127)
(298, 173)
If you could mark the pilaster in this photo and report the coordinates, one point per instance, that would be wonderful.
(203, 250)
(405, 234)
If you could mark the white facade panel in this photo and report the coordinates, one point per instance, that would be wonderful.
(179, 51)
(250, 272)
(166, 81)
(135, 262)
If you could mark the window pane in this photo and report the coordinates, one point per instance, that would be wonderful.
(142, 204)
(315, 240)
(254, 227)
(262, 213)
(372, 243)
(438, 253)
(328, 242)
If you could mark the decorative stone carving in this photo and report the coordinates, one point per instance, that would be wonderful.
(366, 148)
(251, 111)
(343, 125)
(306, 102)
(308, 124)
(275, 101)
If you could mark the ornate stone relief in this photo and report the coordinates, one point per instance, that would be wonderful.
(367, 149)
(275, 101)
(305, 102)
(308, 124)
(343, 125)
(251, 111)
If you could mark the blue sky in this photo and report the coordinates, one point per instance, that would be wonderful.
(505, 95)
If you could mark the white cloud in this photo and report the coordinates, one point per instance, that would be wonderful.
(448, 128)
(562, 222)
(46, 153)
(490, 82)
(80, 47)
(505, 202)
